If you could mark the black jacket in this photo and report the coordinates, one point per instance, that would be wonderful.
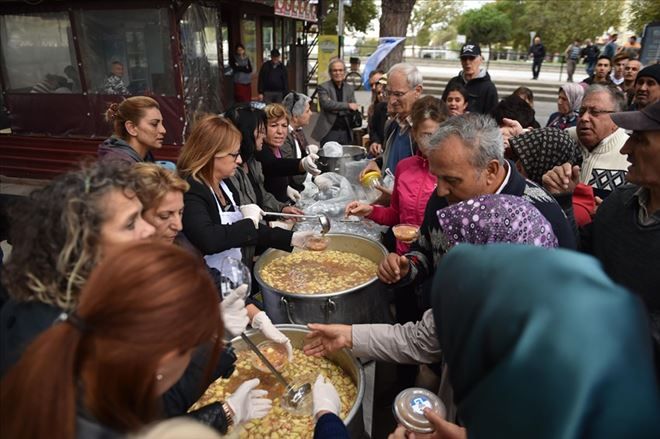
(202, 226)
(537, 51)
(277, 172)
(377, 123)
(272, 78)
(482, 93)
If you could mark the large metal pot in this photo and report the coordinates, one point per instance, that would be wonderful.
(366, 303)
(343, 358)
(351, 153)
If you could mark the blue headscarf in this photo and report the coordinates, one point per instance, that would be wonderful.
(542, 344)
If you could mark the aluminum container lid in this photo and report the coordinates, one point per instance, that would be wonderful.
(409, 407)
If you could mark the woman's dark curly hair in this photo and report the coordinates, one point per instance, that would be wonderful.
(56, 233)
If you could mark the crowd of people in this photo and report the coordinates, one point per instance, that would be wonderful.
(530, 292)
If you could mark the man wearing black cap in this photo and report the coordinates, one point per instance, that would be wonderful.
(273, 83)
(482, 94)
(647, 86)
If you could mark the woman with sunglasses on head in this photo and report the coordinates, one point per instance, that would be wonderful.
(277, 169)
(102, 369)
(296, 145)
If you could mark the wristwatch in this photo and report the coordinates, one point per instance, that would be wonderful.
(229, 413)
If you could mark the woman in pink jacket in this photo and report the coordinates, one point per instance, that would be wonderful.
(413, 183)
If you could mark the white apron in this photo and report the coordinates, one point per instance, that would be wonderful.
(216, 260)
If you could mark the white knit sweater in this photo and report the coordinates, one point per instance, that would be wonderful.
(604, 167)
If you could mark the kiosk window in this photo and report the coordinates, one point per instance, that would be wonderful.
(38, 54)
(127, 52)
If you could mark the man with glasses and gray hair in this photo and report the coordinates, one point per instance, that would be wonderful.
(466, 154)
(337, 100)
(404, 87)
(600, 139)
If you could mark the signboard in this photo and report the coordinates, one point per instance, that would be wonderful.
(650, 53)
(385, 46)
(298, 9)
(328, 49)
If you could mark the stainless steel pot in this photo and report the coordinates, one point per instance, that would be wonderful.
(343, 358)
(352, 153)
(366, 303)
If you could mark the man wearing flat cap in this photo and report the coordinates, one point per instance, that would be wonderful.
(482, 94)
(625, 233)
(273, 83)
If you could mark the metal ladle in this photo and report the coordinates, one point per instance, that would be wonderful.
(294, 396)
(323, 219)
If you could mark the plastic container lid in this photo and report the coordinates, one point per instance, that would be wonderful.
(409, 408)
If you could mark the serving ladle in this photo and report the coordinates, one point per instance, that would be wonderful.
(323, 219)
(293, 396)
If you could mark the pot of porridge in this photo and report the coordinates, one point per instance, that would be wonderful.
(341, 368)
(336, 285)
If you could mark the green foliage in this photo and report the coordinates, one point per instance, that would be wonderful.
(559, 22)
(432, 14)
(486, 25)
(444, 35)
(643, 12)
(367, 46)
(356, 17)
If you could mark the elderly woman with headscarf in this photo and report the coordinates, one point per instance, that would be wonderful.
(296, 145)
(542, 344)
(568, 104)
(538, 151)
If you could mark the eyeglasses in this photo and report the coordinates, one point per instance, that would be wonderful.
(395, 94)
(234, 156)
(595, 113)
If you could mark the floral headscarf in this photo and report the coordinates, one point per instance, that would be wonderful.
(488, 219)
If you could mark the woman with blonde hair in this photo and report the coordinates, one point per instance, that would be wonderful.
(137, 130)
(214, 220)
(278, 169)
(101, 370)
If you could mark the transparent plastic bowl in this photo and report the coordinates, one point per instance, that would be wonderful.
(406, 232)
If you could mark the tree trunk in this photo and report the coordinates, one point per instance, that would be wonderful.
(394, 19)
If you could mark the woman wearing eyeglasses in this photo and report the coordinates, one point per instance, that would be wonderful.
(214, 220)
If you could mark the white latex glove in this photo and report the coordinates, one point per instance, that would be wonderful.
(322, 182)
(298, 238)
(233, 311)
(325, 397)
(263, 323)
(253, 212)
(249, 403)
(293, 194)
(313, 149)
(309, 165)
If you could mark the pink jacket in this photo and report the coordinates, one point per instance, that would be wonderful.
(413, 186)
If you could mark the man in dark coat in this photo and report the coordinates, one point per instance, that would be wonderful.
(273, 83)
(482, 94)
(537, 50)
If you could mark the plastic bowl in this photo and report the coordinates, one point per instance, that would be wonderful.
(317, 243)
(406, 232)
(276, 353)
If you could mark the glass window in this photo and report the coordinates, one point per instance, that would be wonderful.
(267, 42)
(199, 41)
(39, 56)
(226, 52)
(127, 52)
(249, 37)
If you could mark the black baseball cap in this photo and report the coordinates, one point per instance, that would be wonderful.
(647, 119)
(470, 49)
